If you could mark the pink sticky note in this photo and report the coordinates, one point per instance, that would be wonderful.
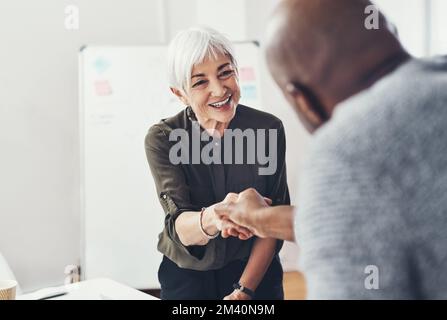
(247, 74)
(103, 88)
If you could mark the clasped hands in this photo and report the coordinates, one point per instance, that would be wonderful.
(237, 214)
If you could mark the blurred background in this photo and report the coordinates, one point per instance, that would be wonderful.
(40, 224)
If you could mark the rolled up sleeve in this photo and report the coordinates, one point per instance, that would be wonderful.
(172, 189)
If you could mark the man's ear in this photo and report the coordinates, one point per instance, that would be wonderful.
(181, 96)
(304, 105)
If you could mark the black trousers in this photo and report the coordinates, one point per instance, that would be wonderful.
(186, 284)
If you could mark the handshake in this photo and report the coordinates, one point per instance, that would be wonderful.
(238, 215)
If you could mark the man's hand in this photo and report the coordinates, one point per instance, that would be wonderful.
(244, 211)
(229, 228)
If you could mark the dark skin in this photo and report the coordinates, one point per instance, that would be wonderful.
(338, 59)
(319, 53)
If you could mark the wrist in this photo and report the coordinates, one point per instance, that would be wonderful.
(258, 221)
(208, 223)
(244, 290)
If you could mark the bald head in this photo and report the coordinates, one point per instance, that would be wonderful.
(324, 46)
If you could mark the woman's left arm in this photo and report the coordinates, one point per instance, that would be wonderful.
(261, 256)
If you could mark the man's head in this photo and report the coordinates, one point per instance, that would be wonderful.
(320, 53)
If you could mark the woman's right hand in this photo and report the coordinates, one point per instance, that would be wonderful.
(229, 228)
(245, 210)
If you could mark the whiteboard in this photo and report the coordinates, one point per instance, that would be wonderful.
(124, 91)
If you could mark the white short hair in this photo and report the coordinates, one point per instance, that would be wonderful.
(191, 47)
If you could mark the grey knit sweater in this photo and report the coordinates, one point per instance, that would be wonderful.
(372, 209)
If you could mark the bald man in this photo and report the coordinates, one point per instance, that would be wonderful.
(372, 209)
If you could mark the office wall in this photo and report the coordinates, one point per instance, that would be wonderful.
(438, 27)
(39, 188)
(411, 18)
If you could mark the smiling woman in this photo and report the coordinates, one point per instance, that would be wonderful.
(203, 257)
(214, 92)
(207, 78)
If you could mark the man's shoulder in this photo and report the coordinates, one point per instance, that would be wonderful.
(394, 109)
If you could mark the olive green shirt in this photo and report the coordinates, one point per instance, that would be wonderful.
(190, 187)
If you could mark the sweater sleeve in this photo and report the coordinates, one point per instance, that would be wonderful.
(350, 229)
(278, 190)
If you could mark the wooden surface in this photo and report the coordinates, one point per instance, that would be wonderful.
(294, 286)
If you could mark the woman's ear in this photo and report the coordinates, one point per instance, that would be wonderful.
(183, 98)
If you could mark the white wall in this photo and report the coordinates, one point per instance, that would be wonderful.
(410, 17)
(180, 14)
(39, 188)
(438, 27)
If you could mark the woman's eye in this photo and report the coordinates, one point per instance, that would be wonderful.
(226, 73)
(198, 83)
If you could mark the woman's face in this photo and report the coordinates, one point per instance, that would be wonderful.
(214, 91)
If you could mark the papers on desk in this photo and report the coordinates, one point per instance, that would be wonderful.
(46, 293)
(95, 289)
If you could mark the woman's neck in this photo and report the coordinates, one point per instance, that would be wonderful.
(213, 127)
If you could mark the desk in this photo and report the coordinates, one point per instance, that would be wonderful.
(95, 289)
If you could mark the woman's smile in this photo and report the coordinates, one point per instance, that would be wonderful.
(223, 105)
(214, 92)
